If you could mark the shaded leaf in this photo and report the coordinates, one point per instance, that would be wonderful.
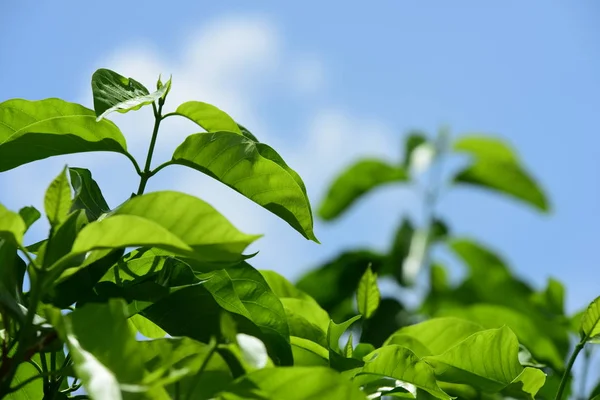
(354, 182)
(209, 117)
(253, 169)
(114, 92)
(34, 130)
(412, 141)
(389, 317)
(33, 390)
(57, 200)
(497, 167)
(88, 196)
(367, 294)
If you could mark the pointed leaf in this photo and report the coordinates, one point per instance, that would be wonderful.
(114, 92)
(146, 327)
(170, 220)
(335, 332)
(402, 364)
(497, 167)
(487, 360)
(368, 295)
(88, 196)
(12, 226)
(526, 385)
(57, 200)
(209, 117)
(34, 130)
(308, 353)
(29, 214)
(590, 322)
(357, 180)
(317, 383)
(253, 169)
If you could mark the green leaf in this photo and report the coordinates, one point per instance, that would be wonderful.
(34, 130)
(88, 196)
(114, 92)
(368, 295)
(306, 320)
(335, 332)
(497, 167)
(57, 200)
(253, 169)
(389, 317)
(400, 363)
(170, 220)
(29, 215)
(317, 383)
(12, 226)
(307, 353)
(487, 360)
(412, 141)
(436, 335)
(146, 327)
(590, 322)
(12, 273)
(357, 180)
(209, 117)
(31, 391)
(526, 385)
(282, 287)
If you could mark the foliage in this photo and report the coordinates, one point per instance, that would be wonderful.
(156, 298)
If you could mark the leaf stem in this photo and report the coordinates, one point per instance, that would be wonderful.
(171, 114)
(565, 377)
(145, 175)
(587, 358)
(161, 166)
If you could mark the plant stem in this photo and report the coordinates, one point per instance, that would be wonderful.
(587, 358)
(145, 175)
(565, 377)
(211, 351)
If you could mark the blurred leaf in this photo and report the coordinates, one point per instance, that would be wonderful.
(389, 317)
(412, 141)
(253, 169)
(496, 167)
(590, 322)
(34, 130)
(57, 200)
(88, 196)
(114, 92)
(367, 294)
(146, 327)
(209, 117)
(282, 287)
(308, 353)
(357, 180)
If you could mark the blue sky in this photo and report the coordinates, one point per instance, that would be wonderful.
(326, 82)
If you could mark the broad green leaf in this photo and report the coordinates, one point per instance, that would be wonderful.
(29, 214)
(114, 92)
(400, 363)
(209, 117)
(356, 181)
(292, 383)
(307, 353)
(247, 133)
(526, 385)
(306, 320)
(12, 226)
(170, 220)
(437, 335)
(57, 200)
(282, 287)
(146, 327)
(34, 130)
(487, 360)
(88, 196)
(31, 391)
(495, 166)
(253, 169)
(367, 294)
(590, 322)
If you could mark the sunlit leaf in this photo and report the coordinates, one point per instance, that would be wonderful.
(307, 353)
(29, 214)
(209, 117)
(356, 181)
(146, 327)
(282, 287)
(33, 390)
(114, 92)
(526, 385)
(12, 226)
(590, 322)
(57, 201)
(337, 358)
(495, 166)
(367, 294)
(34, 130)
(253, 169)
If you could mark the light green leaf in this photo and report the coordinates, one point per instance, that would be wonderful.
(209, 117)
(487, 360)
(253, 169)
(317, 383)
(306, 320)
(349, 347)
(307, 353)
(284, 288)
(590, 322)
(368, 295)
(29, 214)
(146, 327)
(34, 130)
(173, 221)
(436, 335)
(57, 200)
(400, 363)
(114, 92)
(526, 385)
(88, 196)
(31, 391)
(356, 181)
(335, 332)
(12, 226)
(497, 167)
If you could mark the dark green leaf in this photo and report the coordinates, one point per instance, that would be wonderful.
(57, 200)
(317, 383)
(497, 167)
(34, 130)
(367, 294)
(209, 117)
(29, 214)
(88, 196)
(253, 169)
(357, 180)
(114, 92)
